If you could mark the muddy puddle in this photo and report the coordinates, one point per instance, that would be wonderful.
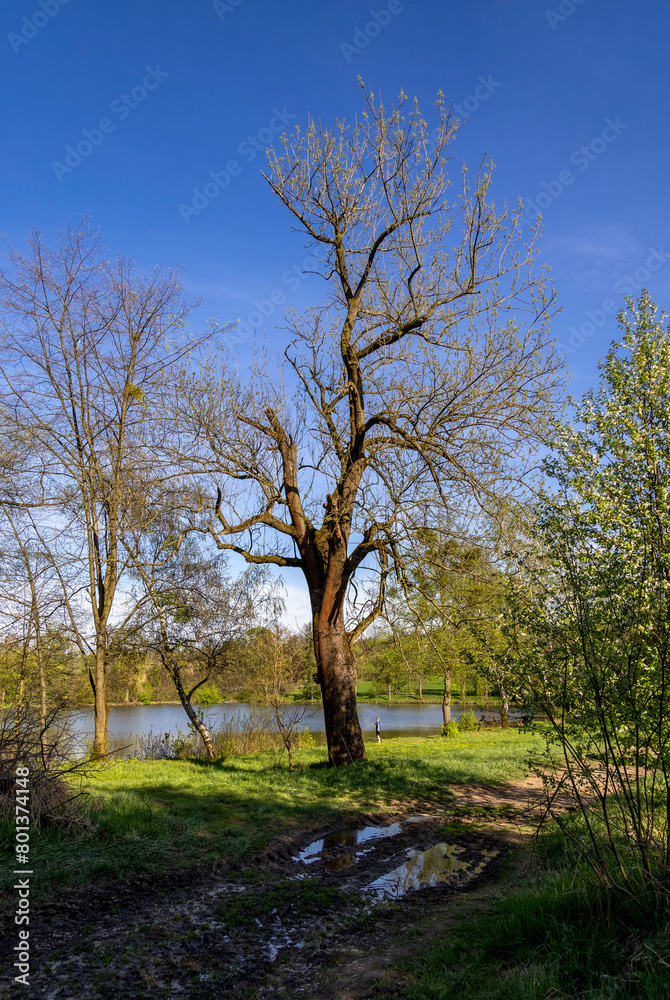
(354, 838)
(400, 850)
(429, 868)
(271, 928)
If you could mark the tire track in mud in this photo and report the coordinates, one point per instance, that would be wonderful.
(311, 917)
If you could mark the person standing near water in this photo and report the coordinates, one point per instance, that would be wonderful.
(377, 729)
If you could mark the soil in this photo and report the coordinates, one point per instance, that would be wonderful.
(296, 921)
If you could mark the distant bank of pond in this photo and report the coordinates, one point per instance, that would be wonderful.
(127, 723)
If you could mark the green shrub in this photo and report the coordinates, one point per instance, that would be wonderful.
(451, 729)
(305, 739)
(468, 724)
(208, 694)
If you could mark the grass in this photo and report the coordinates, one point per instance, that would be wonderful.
(553, 938)
(548, 940)
(154, 815)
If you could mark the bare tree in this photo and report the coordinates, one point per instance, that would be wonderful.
(86, 345)
(276, 654)
(189, 610)
(421, 382)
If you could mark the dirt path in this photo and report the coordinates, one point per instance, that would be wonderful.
(322, 915)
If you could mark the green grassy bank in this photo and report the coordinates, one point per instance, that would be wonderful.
(151, 815)
(552, 937)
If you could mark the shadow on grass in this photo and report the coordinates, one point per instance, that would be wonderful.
(156, 815)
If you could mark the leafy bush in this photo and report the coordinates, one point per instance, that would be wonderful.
(468, 723)
(208, 694)
(306, 740)
(451, 729)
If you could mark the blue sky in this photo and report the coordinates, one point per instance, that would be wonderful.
(569, 99)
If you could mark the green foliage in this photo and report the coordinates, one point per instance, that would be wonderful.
(305, 739)
(450, 729)
(468, 723)
(591, 617)
(145, 694)
(208, 694)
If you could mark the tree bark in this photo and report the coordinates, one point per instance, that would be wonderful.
(191, 712)
(101, 709)
(337, 675)
(446, 697)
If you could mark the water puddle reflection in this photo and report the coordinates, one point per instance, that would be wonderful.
(428, 868)
(352, 838)
(337, 864)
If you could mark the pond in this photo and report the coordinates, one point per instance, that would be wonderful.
(127, 723)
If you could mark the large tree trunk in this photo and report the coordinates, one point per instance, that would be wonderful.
(446, 697)
(337, 675)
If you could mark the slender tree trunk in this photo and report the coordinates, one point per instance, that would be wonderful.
(420, 687)
(337, 675)
(101, 710)
(19, 701)
(388, 689)
(191, 712)
(464, 692)
(43, 697)
(504, 708)
(446, 697)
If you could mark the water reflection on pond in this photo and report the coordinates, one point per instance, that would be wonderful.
(126, 723)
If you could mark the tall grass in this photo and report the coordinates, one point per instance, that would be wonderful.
(232, 736)
(558, 937)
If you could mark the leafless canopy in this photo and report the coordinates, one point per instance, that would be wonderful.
(421, 380)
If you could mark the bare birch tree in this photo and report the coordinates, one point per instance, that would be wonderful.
(86, 343)
(188, 609)
(419, 384)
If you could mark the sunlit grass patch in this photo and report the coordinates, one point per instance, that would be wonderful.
(155, 815)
